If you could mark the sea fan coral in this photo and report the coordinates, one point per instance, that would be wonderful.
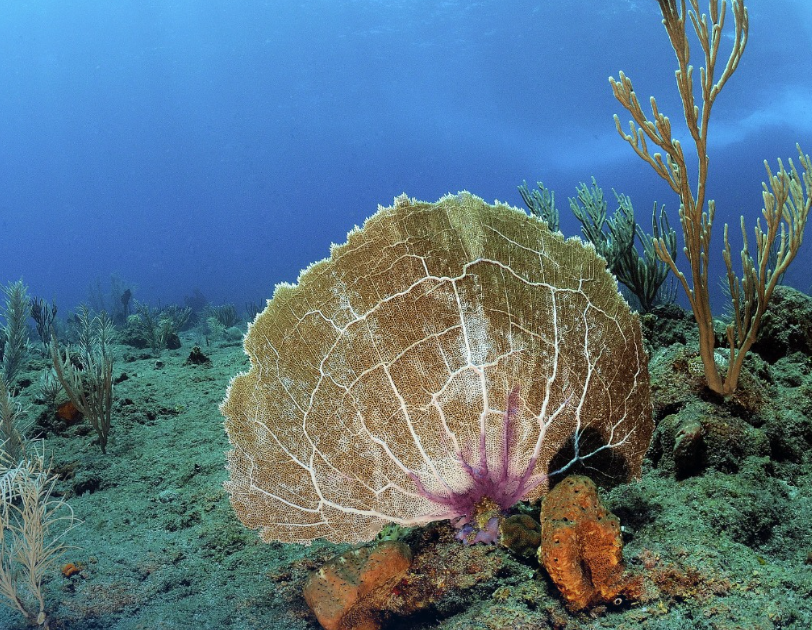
(441, 364)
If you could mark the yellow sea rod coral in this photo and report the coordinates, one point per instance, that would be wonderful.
(432, 368)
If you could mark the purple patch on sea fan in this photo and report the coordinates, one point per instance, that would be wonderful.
(491, 488)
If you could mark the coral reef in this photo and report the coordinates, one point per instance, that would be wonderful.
(767, 415)
(726, 546)
(442, 364)
(581, 546)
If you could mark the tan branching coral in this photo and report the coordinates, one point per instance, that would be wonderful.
(787, 196)
(430, 369)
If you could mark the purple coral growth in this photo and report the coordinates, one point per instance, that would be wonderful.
(476, 511)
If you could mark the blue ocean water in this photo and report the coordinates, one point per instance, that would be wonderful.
(223, 146)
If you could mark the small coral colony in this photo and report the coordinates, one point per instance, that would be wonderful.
(461, 362)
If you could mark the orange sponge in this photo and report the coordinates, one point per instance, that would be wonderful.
(349, 592)
(581, 546)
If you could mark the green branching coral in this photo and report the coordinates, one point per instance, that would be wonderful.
(615, 238)
(15, 330)
(541, 204)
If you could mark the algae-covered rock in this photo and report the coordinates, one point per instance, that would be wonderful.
(786, 326)
(703, 436)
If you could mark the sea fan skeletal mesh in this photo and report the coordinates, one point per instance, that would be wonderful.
(398, 369)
